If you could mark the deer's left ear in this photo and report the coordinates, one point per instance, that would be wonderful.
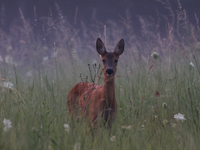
(119, 49)
(101, 49)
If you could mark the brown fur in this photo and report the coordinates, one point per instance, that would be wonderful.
(95, 101)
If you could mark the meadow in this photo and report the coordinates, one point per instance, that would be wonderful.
(150, 91)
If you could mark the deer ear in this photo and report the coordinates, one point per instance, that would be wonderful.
(101, 49)
(119, 49)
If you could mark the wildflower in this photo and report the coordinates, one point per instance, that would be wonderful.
(155, 55)
(7, 124)
(126, 127)
(179, 117)
(173, 125)
(191, 64)
(45, 58)
(113, 138)
(164, 105)
(165, 121)
(8, 85)
(157, 94)
(143, 129)
(9, 59)
(67, 128)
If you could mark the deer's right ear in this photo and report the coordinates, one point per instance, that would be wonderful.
(119, 49)
(101, 49)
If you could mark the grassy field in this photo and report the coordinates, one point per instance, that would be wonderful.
(149, 91)
(144, 120)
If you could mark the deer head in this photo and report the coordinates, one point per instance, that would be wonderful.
(109, 59)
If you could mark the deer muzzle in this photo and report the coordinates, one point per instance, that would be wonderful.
(109, 71)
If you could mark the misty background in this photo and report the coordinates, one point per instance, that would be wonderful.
(87, 10)
(32, 31)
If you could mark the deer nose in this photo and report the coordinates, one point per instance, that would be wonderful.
(109, 71)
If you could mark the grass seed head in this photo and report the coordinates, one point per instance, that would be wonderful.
(155, 55)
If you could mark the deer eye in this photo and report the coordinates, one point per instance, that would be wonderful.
(104, 60)
(116, 61)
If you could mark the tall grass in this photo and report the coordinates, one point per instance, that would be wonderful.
(36, 105)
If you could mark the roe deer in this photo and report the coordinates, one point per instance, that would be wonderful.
(95, 101)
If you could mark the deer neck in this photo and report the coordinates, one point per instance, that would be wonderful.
(109, 90)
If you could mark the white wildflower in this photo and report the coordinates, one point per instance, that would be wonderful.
(165, 121)
(179, 117)
(173, 125)
(164, 105)
(45, 58)
(142, 126)
(8, 85)
(113, 138)
(155, 55)
(67, 128)
(7, 124)
(9, 59)
(191, 64)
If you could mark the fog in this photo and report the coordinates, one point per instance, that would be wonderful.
(32, 31)
(85, 10)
